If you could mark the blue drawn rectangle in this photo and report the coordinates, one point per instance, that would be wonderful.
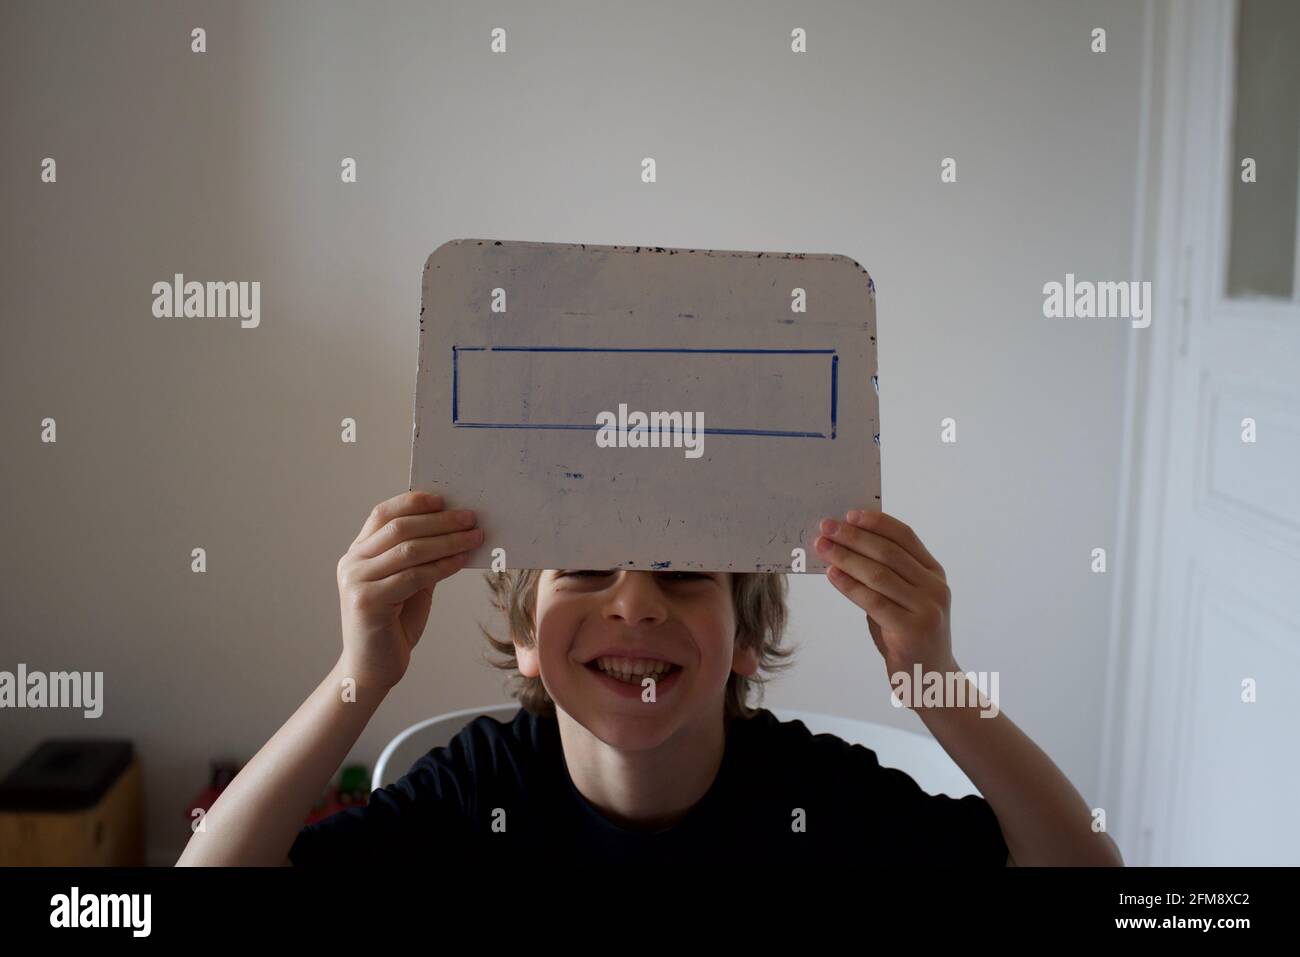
(826, 432)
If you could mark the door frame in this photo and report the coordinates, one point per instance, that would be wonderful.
(1174, 46)
(1179, 243)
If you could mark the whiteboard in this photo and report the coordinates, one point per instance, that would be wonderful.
(755, 371)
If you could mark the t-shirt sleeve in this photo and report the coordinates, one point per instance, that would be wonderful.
(423, 815)
(919, 827)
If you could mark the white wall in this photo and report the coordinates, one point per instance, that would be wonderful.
(226, 166)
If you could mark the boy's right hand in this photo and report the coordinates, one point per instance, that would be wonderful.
(386, 580)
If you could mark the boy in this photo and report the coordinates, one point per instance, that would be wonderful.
(636, 744)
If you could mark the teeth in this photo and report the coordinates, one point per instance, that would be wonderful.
(632, 669)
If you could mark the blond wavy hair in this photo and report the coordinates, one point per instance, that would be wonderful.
(761, 618)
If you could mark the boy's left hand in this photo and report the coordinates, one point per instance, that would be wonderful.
(880, 565)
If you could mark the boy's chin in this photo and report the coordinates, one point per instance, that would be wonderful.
(630, 733)
(641, 728)
(629, 724)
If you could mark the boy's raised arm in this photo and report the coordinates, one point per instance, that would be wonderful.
(1044, 820)
(407, 545)
(881, 565)
(258, 815)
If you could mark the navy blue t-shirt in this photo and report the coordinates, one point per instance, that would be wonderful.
(781, 795)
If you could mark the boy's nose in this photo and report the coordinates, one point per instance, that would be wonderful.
(636, 599)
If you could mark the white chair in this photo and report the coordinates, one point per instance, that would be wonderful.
(421, 738)
(918, 755)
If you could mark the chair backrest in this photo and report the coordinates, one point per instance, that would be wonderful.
(918, 755)
(422, 737)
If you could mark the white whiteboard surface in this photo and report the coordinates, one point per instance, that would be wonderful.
(507, 403)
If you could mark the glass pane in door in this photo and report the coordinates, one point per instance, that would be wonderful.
(1266, 128)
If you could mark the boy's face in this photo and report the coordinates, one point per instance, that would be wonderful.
(685, 618)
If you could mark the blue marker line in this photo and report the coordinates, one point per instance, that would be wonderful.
(835, 392)
(594, 428)
(638, 349)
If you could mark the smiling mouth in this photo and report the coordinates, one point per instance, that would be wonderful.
(631, 677)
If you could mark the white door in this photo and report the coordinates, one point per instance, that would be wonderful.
(1209, 612)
